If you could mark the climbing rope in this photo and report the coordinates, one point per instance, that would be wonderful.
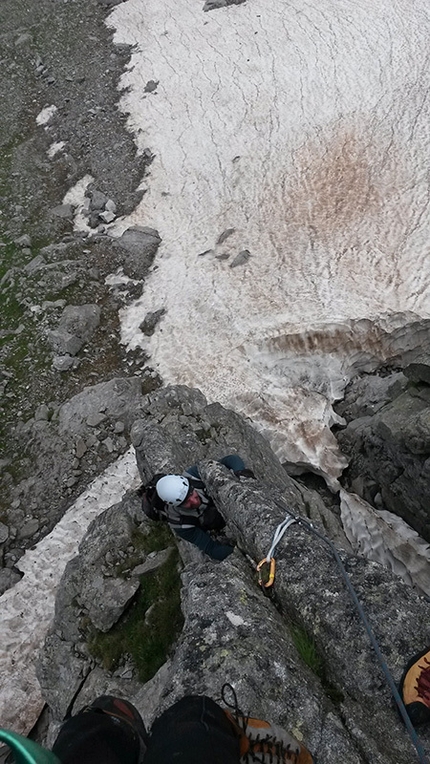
(280, 530)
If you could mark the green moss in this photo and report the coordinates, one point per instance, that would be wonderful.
(149, 628)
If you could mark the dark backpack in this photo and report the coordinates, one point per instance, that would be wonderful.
(152, 505)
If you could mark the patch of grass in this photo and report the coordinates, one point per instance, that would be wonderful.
(158, 537)
(308, 652)
(149, 628)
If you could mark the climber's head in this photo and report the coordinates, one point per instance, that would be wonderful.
(173, 489)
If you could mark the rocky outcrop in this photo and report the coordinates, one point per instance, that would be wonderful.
(387, 440)
(139, 245)
(70, 444)
(232, 633)
(91, 595)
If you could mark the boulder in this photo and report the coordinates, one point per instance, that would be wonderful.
(76, 326)
(389, 453)
(140, 245)
(119, 398)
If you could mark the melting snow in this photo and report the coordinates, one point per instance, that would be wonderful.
(27, 608)
(305, 129)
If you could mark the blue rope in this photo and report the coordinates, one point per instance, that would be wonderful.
(397, 697)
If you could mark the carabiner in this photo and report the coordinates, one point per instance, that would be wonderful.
(271, 578)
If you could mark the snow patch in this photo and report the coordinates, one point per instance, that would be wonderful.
(383, 537)
(45, 115)
(76, 197)
(306, 133)
(27, 608)
(55, 148)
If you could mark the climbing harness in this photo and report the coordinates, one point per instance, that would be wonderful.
(282, 527)
(269, 560)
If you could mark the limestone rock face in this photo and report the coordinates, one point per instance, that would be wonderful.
(309, 587)
(232, 632)
(90, 592)
(389, 452)
(117, 399)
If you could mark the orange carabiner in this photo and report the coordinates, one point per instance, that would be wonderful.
(271, 578)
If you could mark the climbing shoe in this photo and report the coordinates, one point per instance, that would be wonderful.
(415, 688)
(266, 743)
(109, 730)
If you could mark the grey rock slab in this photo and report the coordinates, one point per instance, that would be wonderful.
(76, 326)
(86, 593)
(105, 599)
(60, 672)
(225, 235)
(419, 370)
(141, 244)
(80, 448)
(80, 320)
(95, 419)
(155, 560)
(110, 206)
(24, 240)
(241, 258)
(138, 239)
(99, 682)
(42, 412)
(64, 343)
(107, 216)
(309, 587)
(34, 264)
(97, 200)
(29, 528)
(119, 398)
(211, 5)
(63, 211)
(390, 451)
(164, 442)
(233, 633)
(150, 86)
(8, 578)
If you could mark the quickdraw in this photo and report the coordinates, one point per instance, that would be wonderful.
(269, 559)
(271, 574)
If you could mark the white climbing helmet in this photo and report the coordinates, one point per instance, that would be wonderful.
(173, 489)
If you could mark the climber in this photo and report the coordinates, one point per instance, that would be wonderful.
(192, 730)
(181, 500)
